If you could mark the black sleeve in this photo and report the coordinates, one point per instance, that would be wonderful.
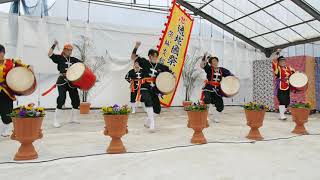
(128, 77)
(142, 61)
(55, 58)
(76, 60)
(207, 68)
(226, 72)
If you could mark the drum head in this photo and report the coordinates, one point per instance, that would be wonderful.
(75, 72)
(298, 80)
(230, 86)
(20, 79)
(166, 83)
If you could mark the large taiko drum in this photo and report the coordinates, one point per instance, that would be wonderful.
(81, 76)
(299, 81)
(21, 81)
(166, 83)
(230, 86)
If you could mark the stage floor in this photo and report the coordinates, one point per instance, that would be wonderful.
(227, 156)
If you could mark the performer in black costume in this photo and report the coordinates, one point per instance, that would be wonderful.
(133, 77)
(150, 69)
(211, 93)
(64, 61)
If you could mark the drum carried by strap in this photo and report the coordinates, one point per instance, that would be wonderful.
(21, 81)
(81, 76)
(230, 86)
(166, 83)
(298, 81)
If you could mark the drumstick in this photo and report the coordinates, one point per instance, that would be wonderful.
(49, 90)
(57, 45)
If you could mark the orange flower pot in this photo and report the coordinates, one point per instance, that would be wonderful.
(207, 122)
(300, 117)
(26, 131)
(116, 127)
(255, 121)
(198, 121)
(84, 108)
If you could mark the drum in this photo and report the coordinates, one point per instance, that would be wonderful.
(166, 83)
(21, 81)
(230, 86)
(81, 76)
(299, 81)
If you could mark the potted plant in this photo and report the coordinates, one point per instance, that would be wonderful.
(300, 112)
(116, 126)
(198, 120)
(96, 63)
(255, 113)
(27, 122)
(190, 74)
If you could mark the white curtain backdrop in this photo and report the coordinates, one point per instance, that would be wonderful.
(30, 38)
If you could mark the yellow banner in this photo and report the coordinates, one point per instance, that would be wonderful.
(174, 44)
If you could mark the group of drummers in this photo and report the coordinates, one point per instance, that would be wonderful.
(142, 78)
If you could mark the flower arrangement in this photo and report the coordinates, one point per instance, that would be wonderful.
(116, 110)
(28, 111)
(254, 106)
(300, 105)
(197, 107)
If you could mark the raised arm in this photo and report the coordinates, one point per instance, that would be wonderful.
(204, 61)
(135, 49)
(274, 57)
(52, 48)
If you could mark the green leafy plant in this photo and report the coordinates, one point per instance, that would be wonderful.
(28, 111)
(116, 110)
(254, 106)
(197, 107)
(300, 105)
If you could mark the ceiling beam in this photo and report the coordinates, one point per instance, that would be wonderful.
(260, 9)
(286, 27)
(206, 4)
(308, 8)
(221, 25)
(5, 1)
(294, 43)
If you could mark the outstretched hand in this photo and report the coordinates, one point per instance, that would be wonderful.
(138, 44)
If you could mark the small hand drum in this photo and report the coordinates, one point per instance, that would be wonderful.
(230, 86)
(21, 81)
(166, 83)
(299, 81)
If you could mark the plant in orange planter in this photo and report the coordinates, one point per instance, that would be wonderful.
(27, 122)
(255, 113)
(197, 114)
(116, 126)
(300, 113)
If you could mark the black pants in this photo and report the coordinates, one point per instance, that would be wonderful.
(213, 98)
(150, 99)
(133, 96)
(73, 93)
(6, 107)
(284, 97)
